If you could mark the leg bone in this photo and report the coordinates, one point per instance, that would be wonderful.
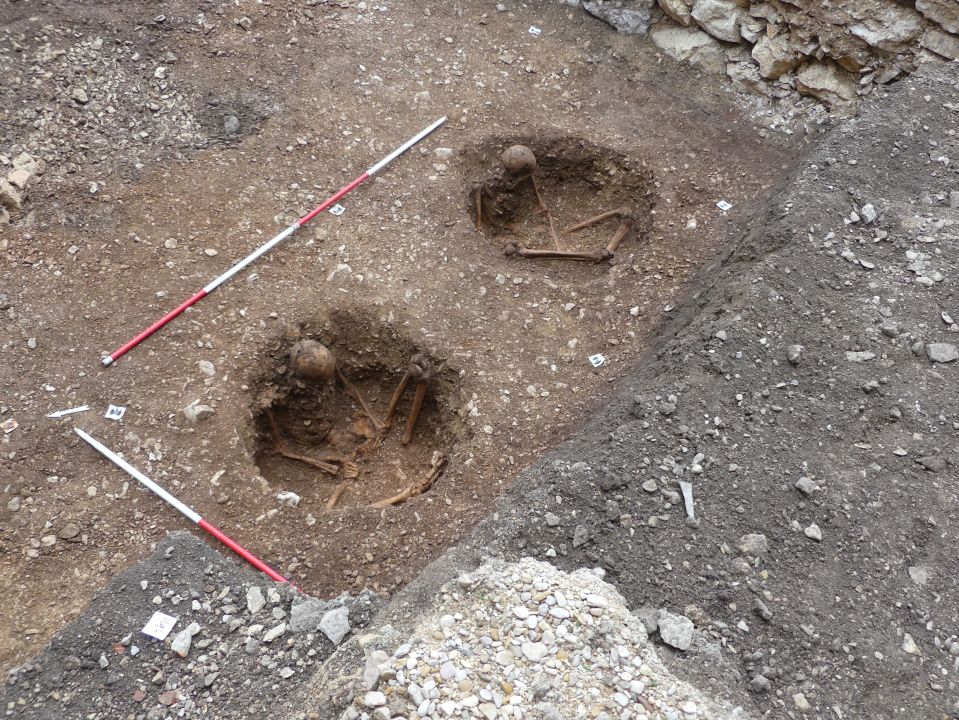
(621, 232)
(438, 462)
(549, 215)
(597, 256)
(281, 448)
(620, 212)
(351, 389)
(415, 411)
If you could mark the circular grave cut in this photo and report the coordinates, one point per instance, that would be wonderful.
(561, 197)
(349, 417)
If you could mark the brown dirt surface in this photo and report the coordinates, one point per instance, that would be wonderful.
(150, 190)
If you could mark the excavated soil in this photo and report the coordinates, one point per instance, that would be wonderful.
(150, 190)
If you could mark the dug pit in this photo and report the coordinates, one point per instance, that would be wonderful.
(374, 431)
(560, 198)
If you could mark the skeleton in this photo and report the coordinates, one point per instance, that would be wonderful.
(314, 363)
(519, 164)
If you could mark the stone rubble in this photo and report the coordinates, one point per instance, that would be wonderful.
(776, 48)
(229, 655)
(525, 640)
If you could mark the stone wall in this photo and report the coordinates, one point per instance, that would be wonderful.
(834, 51)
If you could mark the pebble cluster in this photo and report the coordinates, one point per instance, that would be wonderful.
(525, 640)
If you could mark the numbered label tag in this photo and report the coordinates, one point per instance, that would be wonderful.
(115, 412)
(597, 360)
(159, 626)
(723, 205)
(337, 209)
(535, 31)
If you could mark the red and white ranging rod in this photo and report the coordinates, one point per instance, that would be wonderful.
(266, 247)
(184, 510)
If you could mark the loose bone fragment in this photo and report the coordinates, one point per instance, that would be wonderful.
(438, 463)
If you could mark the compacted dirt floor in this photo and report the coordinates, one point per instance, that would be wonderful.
(178, 136)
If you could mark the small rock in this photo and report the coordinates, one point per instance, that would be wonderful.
(196, 413)
(859, 356)
(813, 532)
(305, 615)
(207, 368)
(336, 624)
(79, 95)
(182, 642)
(19, 178)
(675, 630)
(580, 536)
(800, 701)
(534, 652)
(942, 352)
(868, 213)
(374, 699)
(806, 486)
(14, 504)
(695, 48)
(759, 684)
(889, 329)
(244, 22)
(828, 83)
(168, 698)
(909, 645)
(9, 196)
(794, 354)
(597, 601)
(754, 544)
(933, 463)
(720, 18)
(231, 124)
(288, 498)
(69, 531)
(551, 519)
(274, 632)
(648, 616)
(919, 574)
(254, 599)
